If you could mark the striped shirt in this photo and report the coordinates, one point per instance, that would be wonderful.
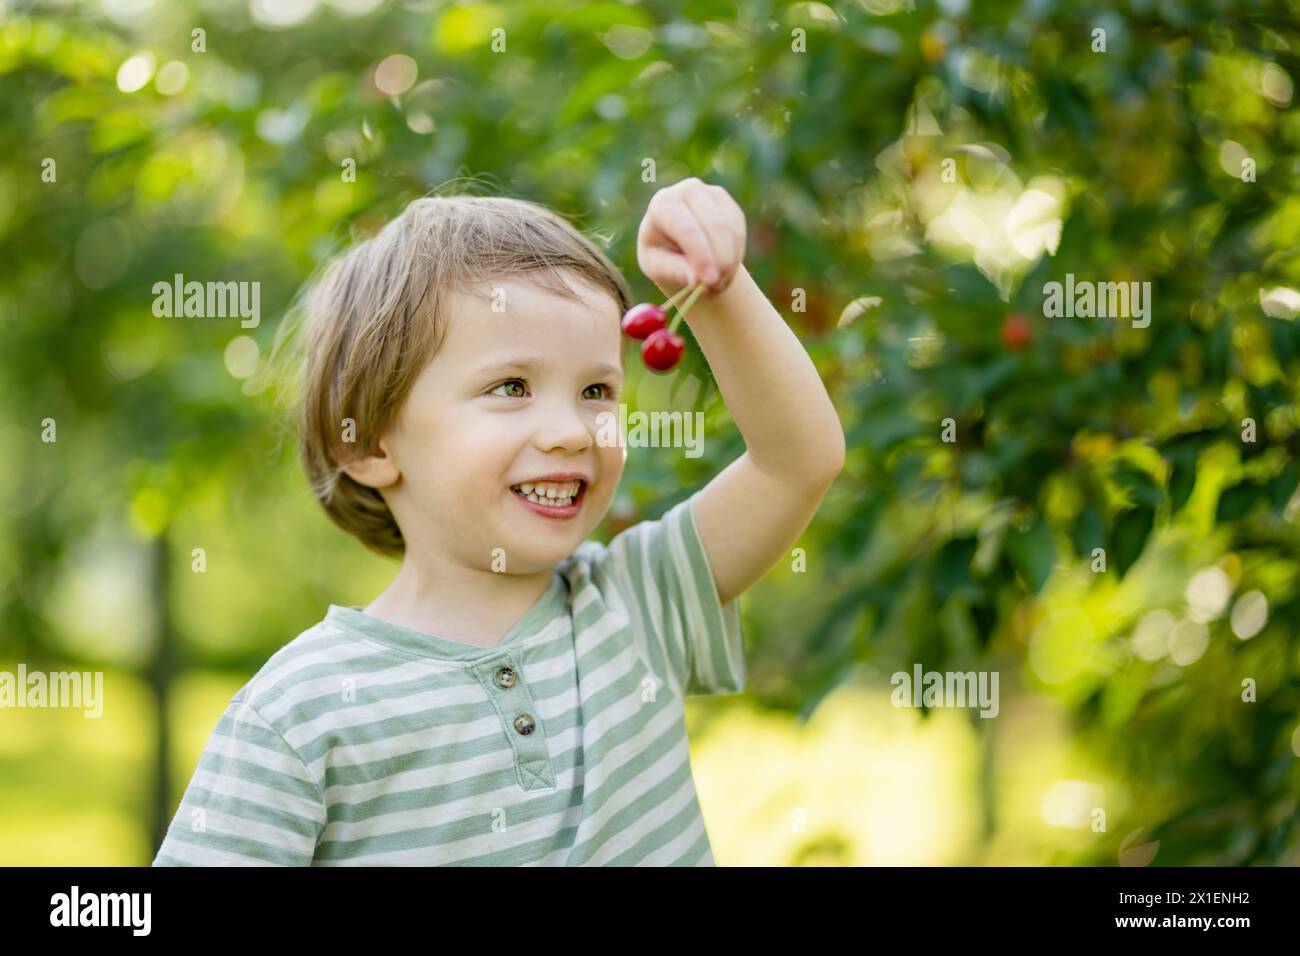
(366, 743)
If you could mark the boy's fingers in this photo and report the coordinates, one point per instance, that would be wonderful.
(730, 222)
(667, 267)
(679, 222)
(716, 228)
(735, 218)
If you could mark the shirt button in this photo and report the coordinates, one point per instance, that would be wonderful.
(524, 724)
(505, 677)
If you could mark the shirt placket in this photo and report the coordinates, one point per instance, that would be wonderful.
(503, 680)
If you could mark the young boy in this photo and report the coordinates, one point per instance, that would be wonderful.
(515, 696)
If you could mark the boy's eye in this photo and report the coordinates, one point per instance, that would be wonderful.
(509, 382)
(607, 391)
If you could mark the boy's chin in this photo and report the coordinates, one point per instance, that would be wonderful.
(541, 551)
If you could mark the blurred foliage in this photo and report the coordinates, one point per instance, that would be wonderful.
(911, 177)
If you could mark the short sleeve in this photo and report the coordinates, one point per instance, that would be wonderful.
(251, 801)
(663, 574)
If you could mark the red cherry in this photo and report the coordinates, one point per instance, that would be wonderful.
(643, 319)
(662, 350)
(1016, 332)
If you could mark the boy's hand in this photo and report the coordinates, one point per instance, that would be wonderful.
(691, 232)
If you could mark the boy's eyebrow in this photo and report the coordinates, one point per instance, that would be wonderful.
(528, 365)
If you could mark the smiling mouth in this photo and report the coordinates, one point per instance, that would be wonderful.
(550, 497)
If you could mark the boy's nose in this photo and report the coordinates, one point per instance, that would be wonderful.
(565, 429)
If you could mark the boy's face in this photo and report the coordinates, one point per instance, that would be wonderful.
(511, 396)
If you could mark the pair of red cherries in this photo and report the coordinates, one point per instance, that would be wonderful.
(661, 347)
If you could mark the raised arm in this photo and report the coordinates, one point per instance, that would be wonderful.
(750, 515)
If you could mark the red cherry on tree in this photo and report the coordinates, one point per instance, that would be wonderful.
(1017, 333)
(642, 319)
(662, 350)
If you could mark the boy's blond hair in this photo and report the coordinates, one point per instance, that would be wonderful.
(377, 316)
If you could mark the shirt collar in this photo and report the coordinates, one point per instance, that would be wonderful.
(354, 620)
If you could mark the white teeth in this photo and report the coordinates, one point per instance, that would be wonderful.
(551, 502)
(551, 489)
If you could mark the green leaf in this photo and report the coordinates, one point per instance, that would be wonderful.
(1129, 537)
(1281, 488)
(1181, 481)
(952, 566)
(1139, 484)
(1033, 552)
(1088, 531)
(1235, 501)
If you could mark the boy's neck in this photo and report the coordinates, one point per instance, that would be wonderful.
(456, 602)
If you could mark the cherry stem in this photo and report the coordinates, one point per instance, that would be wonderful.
(672, 299)
(685, 306)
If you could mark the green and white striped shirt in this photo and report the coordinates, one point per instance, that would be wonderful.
(365, 743)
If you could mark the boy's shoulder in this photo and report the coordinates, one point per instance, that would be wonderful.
(646, 554)
(645, 542)
(311, 665)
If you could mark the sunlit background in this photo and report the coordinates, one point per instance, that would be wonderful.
(913, 174)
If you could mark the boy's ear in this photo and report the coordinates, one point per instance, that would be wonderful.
(375, 470)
